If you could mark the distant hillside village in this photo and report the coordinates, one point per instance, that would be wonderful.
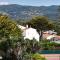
(31, 33)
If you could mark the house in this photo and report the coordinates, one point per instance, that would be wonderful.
(49, 35)
(52, 36)
(57, 38)
(29, 32)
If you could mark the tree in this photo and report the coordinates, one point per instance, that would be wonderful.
(9, 34)
(57, 27)
(40, 23)
(8, 28)
(9, 31)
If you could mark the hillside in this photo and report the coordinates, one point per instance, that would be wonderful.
(27, 12)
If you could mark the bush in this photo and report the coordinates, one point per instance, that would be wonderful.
(37, 57)
(46, 45)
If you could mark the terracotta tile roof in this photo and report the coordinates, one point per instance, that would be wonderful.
(58, 37)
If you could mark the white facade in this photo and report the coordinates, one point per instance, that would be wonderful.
(21, 27)
(29, 33)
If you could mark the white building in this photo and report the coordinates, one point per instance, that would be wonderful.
(29, 33)
(21, 27)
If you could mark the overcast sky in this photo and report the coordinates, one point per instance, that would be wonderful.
(31, 2)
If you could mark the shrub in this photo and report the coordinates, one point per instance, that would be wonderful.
(37, 57)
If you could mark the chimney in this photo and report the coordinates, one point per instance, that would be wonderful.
(26, 26)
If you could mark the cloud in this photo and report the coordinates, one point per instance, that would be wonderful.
(4, 3)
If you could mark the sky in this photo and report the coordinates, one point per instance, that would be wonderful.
(31, 2)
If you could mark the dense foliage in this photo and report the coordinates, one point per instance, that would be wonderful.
(9, 33)
(57, 26)
(12, 44)
(14, 47)
(37, 57)
(8, 28)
